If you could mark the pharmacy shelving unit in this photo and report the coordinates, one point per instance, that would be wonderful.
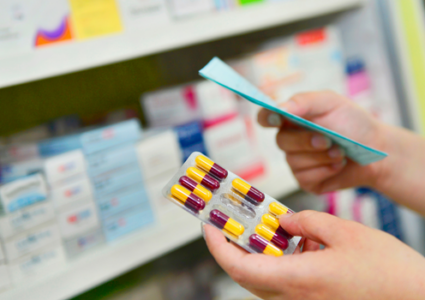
(105, 263)
(109, 261)
(76, 56)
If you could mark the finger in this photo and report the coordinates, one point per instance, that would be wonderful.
(267, 118)
(250, 270)
(309, 160)
(310, 245)
(301, 141)
(316, 226)
(311, 179)
(223, 251)
(313, 104)
(348, 178)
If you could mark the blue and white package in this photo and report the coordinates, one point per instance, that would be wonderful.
(117, 179)
(104, 161)
(128, 221)
(110, 136)
(191, 139)
(220, 73)
(120, 201)
(23, 192)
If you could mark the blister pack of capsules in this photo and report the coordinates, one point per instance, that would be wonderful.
(216, 196)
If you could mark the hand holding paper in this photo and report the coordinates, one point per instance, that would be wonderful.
(222, 74)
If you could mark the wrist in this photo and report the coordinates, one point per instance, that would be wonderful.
(383, 171)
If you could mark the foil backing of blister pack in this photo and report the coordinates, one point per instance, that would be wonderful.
(227, 200)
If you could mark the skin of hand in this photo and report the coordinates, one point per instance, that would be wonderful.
(357, 262)
(321, 167)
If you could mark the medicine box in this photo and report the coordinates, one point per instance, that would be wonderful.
(122, 200)
(74, 190)
(128, 221)
(111, 159)
(31, 240)
(78, 219)
(116, 179)
(84, 242)
(25, 219)
(159, 153)
(12, 171)
(23, 192)
(59, 145)
(47, 260)
(111, 136)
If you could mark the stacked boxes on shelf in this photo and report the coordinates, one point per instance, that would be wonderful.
(28, 228)
(72, 197)
(113, 168)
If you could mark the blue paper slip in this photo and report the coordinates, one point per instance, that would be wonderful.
(220, 73)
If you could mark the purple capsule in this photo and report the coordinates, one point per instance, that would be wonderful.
(262, 245)
(211, 167)
(203, 178)
(189, 199)
(222, 221)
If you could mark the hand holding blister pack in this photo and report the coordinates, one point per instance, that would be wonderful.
(220, 73)
(218, 197)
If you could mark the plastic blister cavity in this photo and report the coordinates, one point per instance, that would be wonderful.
(220, 198)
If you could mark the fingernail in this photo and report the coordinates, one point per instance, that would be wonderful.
(340, 164)
(320, 142)
(336, 152)
(274, 120)
(285, 216)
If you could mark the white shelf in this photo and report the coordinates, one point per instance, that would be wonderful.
(110, 261)
(75, 56)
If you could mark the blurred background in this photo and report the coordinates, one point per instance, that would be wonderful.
(101, 102)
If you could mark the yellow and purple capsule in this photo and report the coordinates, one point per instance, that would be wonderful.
(189, 199)
(273, 223)
(278, 209)
(211, 167)
(249, 192)
(262, 245)
(270, 235)
(196, 188)
(222, 221)
(203, 178)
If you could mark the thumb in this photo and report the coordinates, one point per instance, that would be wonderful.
(320, 227)
(313, 104)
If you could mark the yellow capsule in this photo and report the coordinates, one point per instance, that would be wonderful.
(273, 223)
(248, 190)
(189, 199)
(223, 221)
(211, 167)
(270, 221)
(278, 209)
(234, 227)
(196, 188)
(262, 245)
(271, 235)
(203, 178)
(272, 250)
(264, 231)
